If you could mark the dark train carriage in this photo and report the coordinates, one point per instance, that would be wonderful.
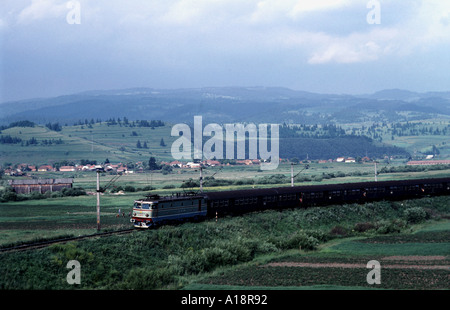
(241, 201)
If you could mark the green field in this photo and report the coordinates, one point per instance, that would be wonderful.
(234, 252)
(118, 143)
(26, 220)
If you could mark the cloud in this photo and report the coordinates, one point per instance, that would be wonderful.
(225, 40)
(355, 48)
(276, 10)
(42, 9)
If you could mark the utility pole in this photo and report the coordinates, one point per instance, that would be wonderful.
(376, 179)
(98, 200)
(102, 190)
(201, 179)
(292, 174)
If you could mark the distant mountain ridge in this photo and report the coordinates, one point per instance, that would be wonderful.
(228, 104)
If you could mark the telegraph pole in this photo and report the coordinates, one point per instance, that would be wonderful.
(201, 179)
(376, 179)
(292, 174)
(98, 200)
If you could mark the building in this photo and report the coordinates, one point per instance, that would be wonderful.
(193, 165)
(67, 168)
(46, 168)
(211, 163)
(40, 185)
(350, 160)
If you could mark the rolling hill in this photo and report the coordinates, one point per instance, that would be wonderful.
(130, 143)
(229, 104)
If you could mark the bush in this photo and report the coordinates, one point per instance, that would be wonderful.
(168, 186)
(338, 231)
(300, 241)
(8, 195)
(363, 227)
(391, 226)
(36, 195)
(148, 188)
(415, 215)
(143, 278)
(76, 191)
(130, 189)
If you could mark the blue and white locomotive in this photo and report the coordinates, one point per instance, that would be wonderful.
(155, 210)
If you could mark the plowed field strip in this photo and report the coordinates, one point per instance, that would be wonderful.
(340, 265)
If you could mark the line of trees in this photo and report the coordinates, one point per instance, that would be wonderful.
(32, 141)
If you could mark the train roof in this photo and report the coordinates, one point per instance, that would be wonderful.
(174, 197)
(311, 188)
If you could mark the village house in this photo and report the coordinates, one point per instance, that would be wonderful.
(211, 163)
(67, 168)
(193, 165)
(46, 168)
(247, 162)
(176, 163)
(26, 167)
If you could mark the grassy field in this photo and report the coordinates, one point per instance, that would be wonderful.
(254, 251)
(261, 250)
(33, 219)
(118, 143)
(30, 220)
(420, 260)
(351, 172)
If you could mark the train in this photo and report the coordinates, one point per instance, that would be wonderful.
(155, 210)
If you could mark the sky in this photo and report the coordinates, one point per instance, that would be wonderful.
(56, 47)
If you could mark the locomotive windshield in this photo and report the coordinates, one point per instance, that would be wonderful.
(144, 205)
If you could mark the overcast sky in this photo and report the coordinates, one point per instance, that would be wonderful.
(325, 46)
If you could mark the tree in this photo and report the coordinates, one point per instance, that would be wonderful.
(138, 144)
(161, 143)
(152, 165)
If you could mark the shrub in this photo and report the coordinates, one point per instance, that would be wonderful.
(168, 186)
(148, 188)
(36, 195)
(391, 226)
(363, 227)
(76, 191)
(144, 278)
(338, 231)
(8, 195)
(129, 188)
(415, 215)
(300, 241)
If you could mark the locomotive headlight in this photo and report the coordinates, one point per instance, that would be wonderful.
(146, 215)
(134, 213)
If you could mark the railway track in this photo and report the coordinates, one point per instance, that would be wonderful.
(42, 244)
